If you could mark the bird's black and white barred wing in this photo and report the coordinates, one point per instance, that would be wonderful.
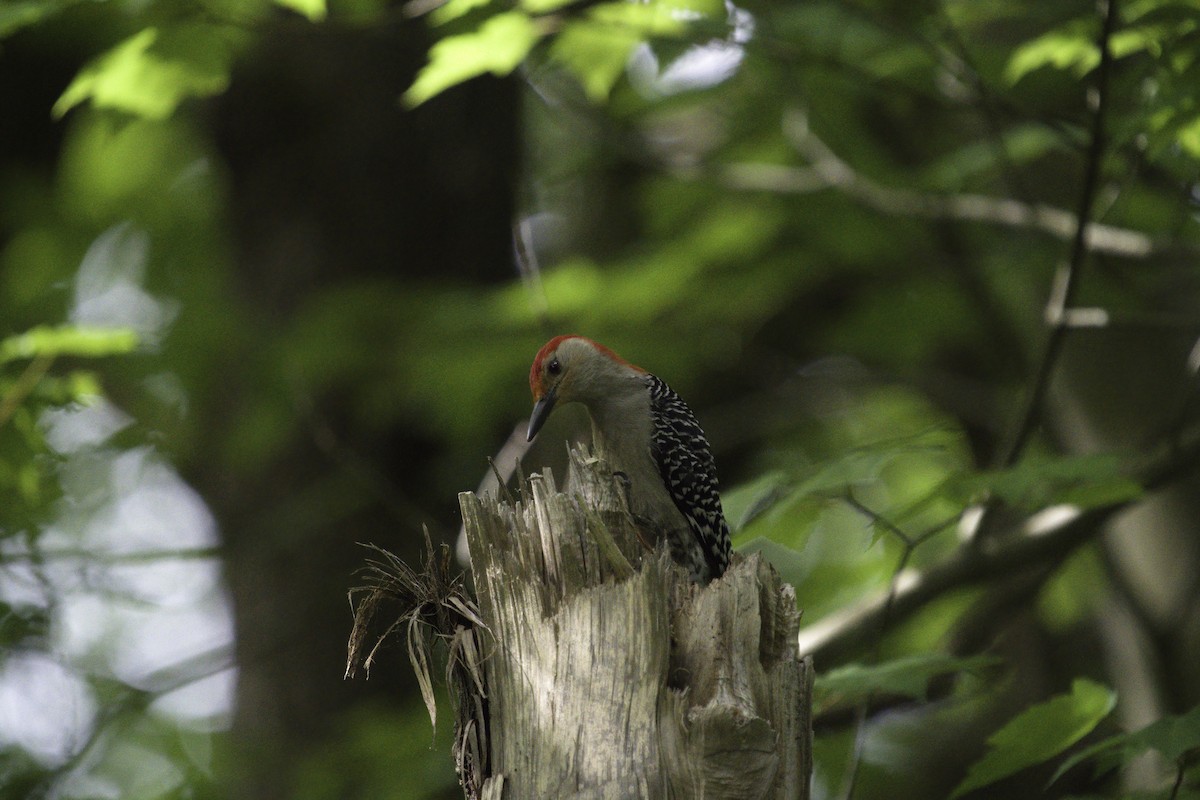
(685, 461)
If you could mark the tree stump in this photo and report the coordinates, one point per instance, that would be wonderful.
(605, 680)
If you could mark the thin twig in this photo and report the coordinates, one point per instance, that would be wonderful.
(127, 705)
(877, 519)
(860, 741)
(1067, 281)
(1021, 550)
(911, 543)
(986, 105)
(1179, 771)
(102, 557)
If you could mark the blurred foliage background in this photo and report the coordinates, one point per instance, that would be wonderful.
(273, 273)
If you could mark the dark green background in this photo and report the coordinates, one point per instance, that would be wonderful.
(336, 336)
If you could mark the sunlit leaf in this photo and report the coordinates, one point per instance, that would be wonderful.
(1188, 137)
(643, 19)
(1150, 38)
(907, 677)
(152, 72)
(544, 6)
(821, 547)
(315, 10)
(82, 384)
(855, 468)
(498, 47)
(1171, 736)
(1040, 733)
(67, 340)
(691, 9)
(454, 9)
(597, 49)
(1072, 48)
(29, 483)
(866, 464)
(596, 54)
(76, 387)
(1070, 595)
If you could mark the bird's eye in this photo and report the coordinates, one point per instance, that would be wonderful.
(554, 367)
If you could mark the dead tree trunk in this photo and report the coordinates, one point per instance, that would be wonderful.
(606, 681)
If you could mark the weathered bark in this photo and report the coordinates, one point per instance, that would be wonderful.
(603, 681)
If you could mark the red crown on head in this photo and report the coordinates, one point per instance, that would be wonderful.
(536, 371)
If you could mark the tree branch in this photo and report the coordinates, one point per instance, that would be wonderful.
(828, 171)
(1038, 539)
(1066, 283)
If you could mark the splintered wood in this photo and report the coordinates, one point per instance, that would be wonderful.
(608, 675)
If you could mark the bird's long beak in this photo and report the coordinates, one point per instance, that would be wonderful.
(541, 410)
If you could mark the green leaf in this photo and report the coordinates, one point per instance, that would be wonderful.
(152, 72)
(544, 6)
(1068, 596)
(858, 467)
(1040, 733)
(1071, 48)
(1087, 481)
(1188, 137)
(82, 385)
(907, 677)
(866, 464)
(690, 9)
(315, 10)
(1150, 38)
(745, 502)
(17, 15)
(596, 54)
(498, 47)
(1141, 9)
(1171, 736)
(29, 483)
(1022, 144)
(597, 48)
(454, 9)
(643, 19)
(67, 340)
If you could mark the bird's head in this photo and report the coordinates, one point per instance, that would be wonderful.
(572, 369)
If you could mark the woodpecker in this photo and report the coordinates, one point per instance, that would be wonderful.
(645, 431)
